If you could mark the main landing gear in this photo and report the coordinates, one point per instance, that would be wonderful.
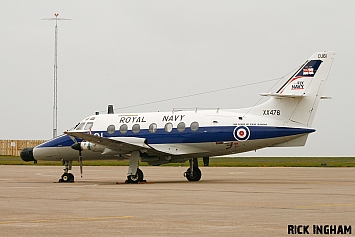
(67, 177)
(137, 178)
(134, 174)
(193, 173)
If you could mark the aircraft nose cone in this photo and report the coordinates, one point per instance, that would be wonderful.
(27, 154)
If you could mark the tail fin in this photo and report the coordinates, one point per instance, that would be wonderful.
(297, 100)
(300, 82)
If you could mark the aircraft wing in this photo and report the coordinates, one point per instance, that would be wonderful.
(122, 145)
(125, 145)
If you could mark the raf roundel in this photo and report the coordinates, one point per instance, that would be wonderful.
(241, 133)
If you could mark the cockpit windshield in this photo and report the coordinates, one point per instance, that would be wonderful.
(73, 128)
(80, 127)
(83, 126)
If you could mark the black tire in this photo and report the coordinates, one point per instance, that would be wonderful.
(67, 178)
(71, 176)
(133, 179)
(195, 176)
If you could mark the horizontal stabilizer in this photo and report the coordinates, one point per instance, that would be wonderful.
(281, 95)
(299, 141)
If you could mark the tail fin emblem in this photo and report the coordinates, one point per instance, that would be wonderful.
(308, 71)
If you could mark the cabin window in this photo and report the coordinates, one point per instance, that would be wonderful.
(153, 128)
(111, 129)
(88, 126)
(80, 127)
(123, 128)
(92, 118)
(136, 128)
(168, 127)
(181, 127)
(194, 126)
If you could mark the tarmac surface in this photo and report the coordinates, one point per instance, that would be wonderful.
(226, 202)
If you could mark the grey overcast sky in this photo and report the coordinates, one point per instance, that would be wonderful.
(131, 52)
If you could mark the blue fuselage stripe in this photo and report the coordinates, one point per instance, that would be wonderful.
(203, 134)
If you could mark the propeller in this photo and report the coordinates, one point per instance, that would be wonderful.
(77, 146)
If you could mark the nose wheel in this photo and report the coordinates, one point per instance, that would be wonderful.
(67, 177)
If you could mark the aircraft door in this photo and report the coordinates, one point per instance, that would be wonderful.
(225, 143)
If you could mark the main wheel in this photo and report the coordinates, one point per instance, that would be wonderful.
(133, 179)
(194, 176)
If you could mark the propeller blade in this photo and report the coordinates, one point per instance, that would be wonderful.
(77, 146)
(81, 163)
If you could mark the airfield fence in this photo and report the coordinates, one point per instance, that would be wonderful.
(14, 147)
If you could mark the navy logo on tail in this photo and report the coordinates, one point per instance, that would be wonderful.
(310, 69)
(297, 81)
(241, 133)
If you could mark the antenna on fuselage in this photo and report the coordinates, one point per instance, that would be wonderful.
(110, 109)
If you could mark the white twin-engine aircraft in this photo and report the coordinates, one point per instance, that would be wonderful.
(173, 137)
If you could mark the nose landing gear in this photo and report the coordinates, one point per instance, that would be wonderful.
(67, 177)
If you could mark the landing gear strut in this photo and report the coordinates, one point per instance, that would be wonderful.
(134, 174)
(193, 173)
(67, 177)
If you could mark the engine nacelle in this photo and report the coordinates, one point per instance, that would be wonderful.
(91, 147)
